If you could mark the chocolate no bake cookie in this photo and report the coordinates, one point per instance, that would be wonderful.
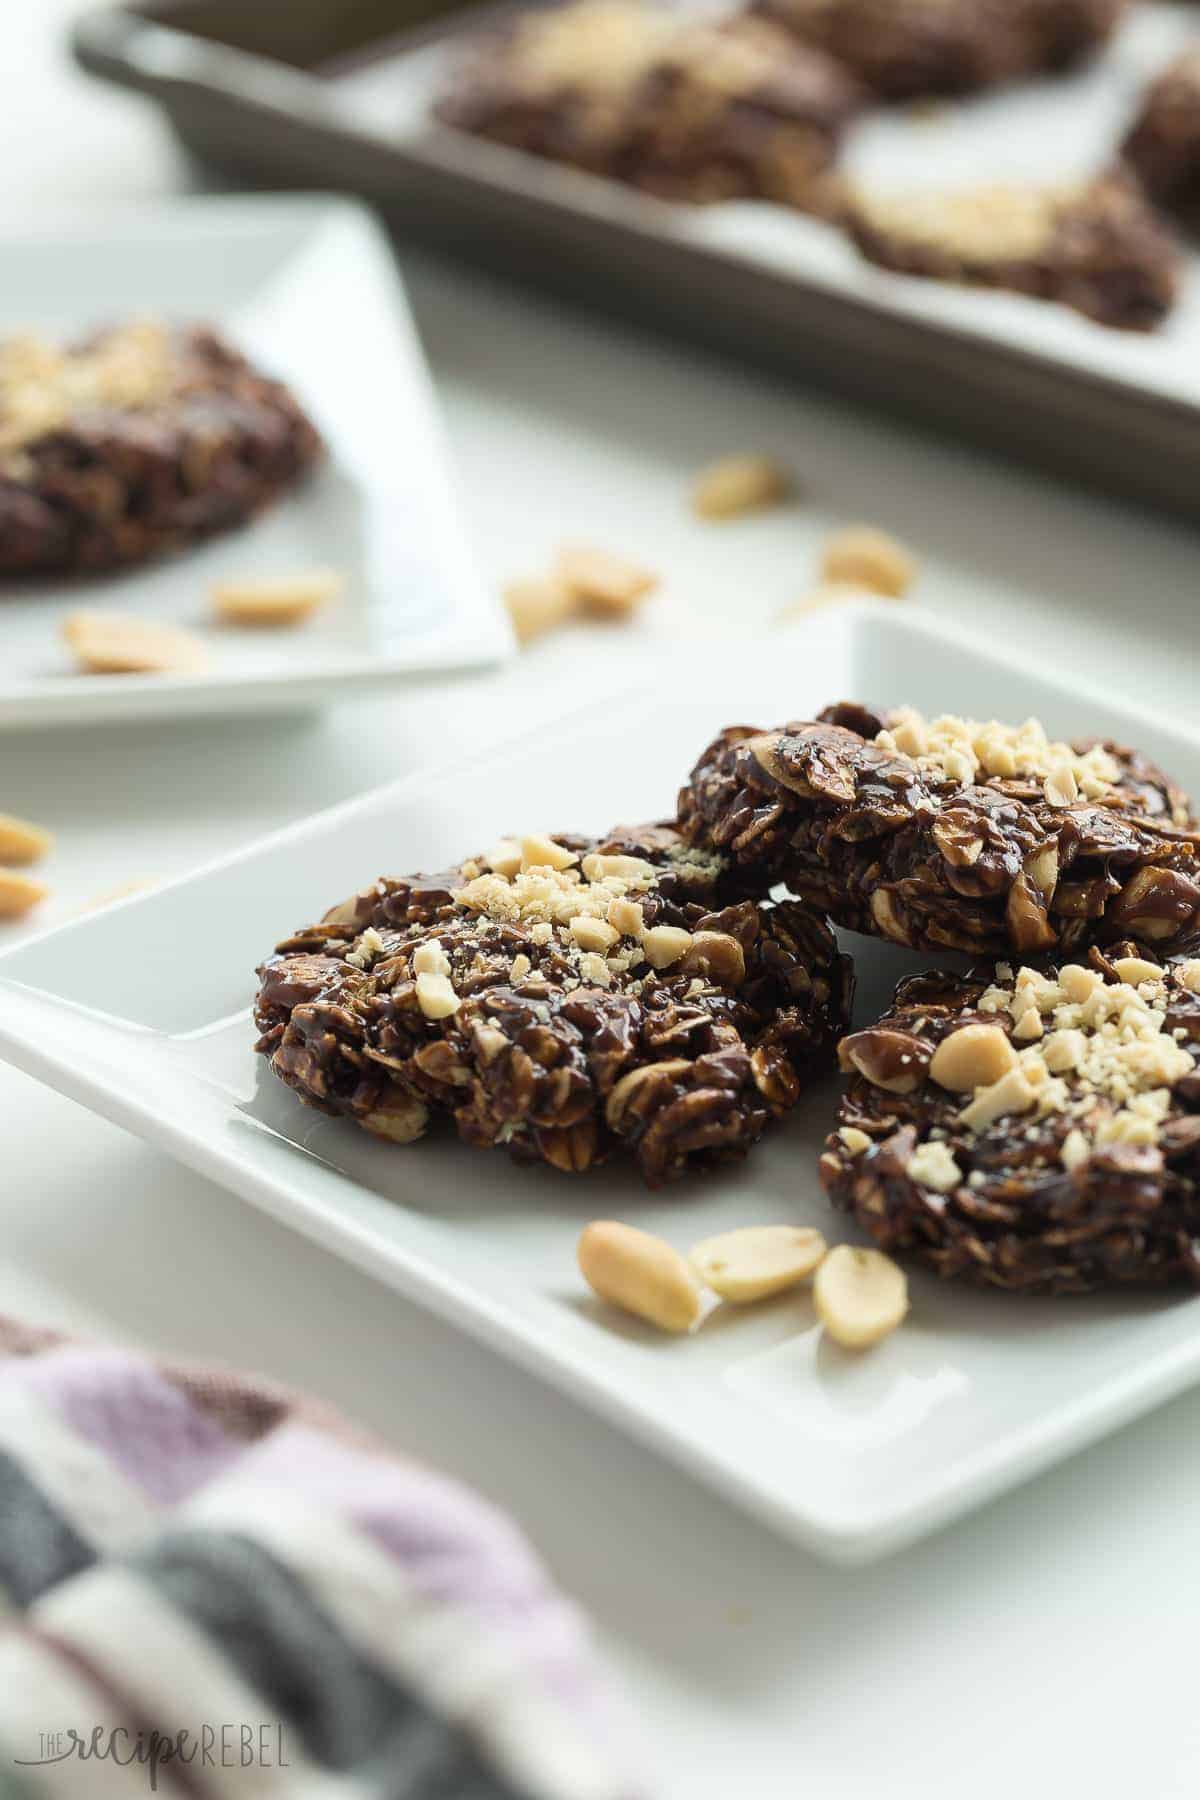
(1026, 1129)
(136, 441)
(905, 48)
(1163, 144)
(951, 833)
(566, 998)
(1097, 246)
(688, 109)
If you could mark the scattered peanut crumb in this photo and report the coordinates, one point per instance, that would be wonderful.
(537, 604)
(19, 894)
(829, 593)
(119, 644)
(124, 890)
(740, 484)
(862, 556)
(21, 842)
(275, 599)
(602, 582)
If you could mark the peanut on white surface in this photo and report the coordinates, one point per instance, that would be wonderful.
(21, 842)
(860, 1296)
(537, 604)
(19, 894)
(757, 1261)
(868, 558)
(121, 644)
(275, 599)
(740, 484)
(602, 582)
(640, 1273)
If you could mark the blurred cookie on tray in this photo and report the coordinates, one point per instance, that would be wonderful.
(685, 108)
(903, 49)
(1163, 144)
(1096, 246)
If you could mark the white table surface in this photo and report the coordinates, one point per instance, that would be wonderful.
(1045, 1646)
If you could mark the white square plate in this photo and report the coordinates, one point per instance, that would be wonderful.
(141, 1013)
(307, 287)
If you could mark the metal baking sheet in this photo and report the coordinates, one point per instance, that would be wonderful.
(307, 93)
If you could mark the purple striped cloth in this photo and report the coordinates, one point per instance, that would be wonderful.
(212, 1587)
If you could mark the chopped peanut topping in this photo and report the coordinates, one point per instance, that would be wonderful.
(969, 750)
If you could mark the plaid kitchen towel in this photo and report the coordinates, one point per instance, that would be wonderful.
(210, 1587)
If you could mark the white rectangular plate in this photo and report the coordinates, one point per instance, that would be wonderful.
(307, 287)
(142, 1013)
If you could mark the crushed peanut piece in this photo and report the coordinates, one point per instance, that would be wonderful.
(121, 644)
(430, 958)
(21, 842)
(41, 385)
(972, 1057)
(934, 1167)
(537, 604)
(665, 944)
(863, 557)
(640, 1273)
(504, 857)
(265, 600)
(19, 894)
(592, 933)
(543, 853)
(602, 583)
(856, 1141)
(436, 997)
(740, 484)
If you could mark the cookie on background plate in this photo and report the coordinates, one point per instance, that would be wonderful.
(1032, 1129)
(952, 833)
(139, 439)
(565, 998)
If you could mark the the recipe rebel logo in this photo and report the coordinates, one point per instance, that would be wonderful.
(208, 1746)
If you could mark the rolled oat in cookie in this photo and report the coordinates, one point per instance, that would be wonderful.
(1031, 1128)
(952, 833)
(139, 439)
(564, 997)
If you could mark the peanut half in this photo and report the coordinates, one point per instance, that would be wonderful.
(860, 1296)
(602, 582)
(537, 604)
(120, 644)
(266, 600)
(740, 484)
(21, 842)
(757, 1261)
(640, 1273)
(866, 558)
(19, 894)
